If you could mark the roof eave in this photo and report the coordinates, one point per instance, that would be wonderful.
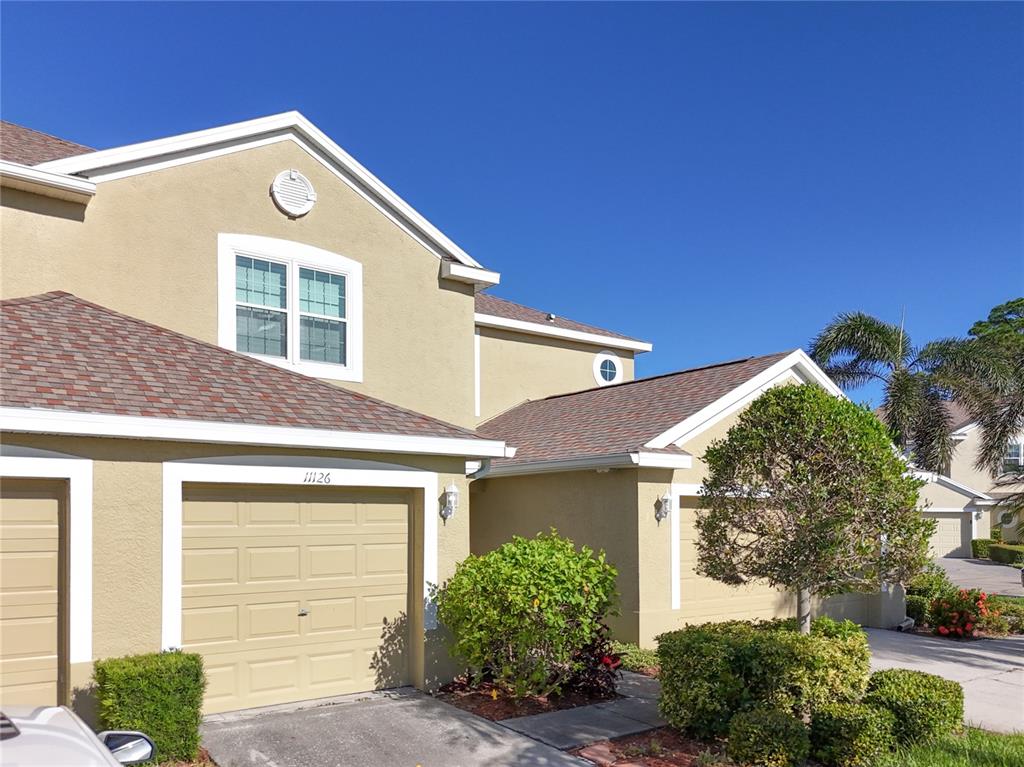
(625, 460)
(471, 275)
(536, 328)
(46, 183)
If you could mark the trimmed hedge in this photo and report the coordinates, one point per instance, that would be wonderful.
(917, 608)
(852, 734)
(1011, 609)
(767, 738)
(711, 672)
(1006, 553)
(160, 694)
(979, 547)
(931, 582)
(634, 657)
(925, 706)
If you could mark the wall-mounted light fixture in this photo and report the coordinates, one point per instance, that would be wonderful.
(663, 508)
(450, 502)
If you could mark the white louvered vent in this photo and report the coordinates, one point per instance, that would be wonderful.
(293, 193)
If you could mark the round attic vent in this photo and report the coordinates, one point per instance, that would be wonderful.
(293, 193)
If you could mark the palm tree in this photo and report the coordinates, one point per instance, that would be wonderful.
(856, 348)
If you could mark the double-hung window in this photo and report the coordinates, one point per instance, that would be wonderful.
(291, 304)
(1013, 458)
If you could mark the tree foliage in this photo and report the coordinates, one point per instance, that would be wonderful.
(806, 493)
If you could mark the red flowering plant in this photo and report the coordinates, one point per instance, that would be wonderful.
(961, 614)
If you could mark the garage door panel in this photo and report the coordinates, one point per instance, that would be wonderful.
(339, 555)
(951, 530)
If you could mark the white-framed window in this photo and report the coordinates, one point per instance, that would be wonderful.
(1013, 458)
(608, 368)
(291, 304)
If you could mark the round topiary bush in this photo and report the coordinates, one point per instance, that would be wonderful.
(767, 738)
(527, 613)
(925, 706)
(852, 734)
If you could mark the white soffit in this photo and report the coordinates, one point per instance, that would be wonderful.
(46, 183)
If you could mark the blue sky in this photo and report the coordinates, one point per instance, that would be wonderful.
(720, 179)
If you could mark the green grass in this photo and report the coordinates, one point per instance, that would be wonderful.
(635, 658)
(975, 748)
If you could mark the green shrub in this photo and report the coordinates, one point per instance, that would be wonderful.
(524, 613)
(1011, 609)
(931, 582)
(979, 547)
(925, 706)
(711, 672)
(917, 608)
(160, 694)
(852, 734)
(634, 657)
(997, 532)
(767, 738)
(1006, 553)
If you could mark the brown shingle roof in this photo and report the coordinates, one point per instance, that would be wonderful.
(60, 352)
(615, 419)
(31, 147)
(502, 307)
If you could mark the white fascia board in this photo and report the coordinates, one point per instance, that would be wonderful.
(952, 484)
(46, 183)
(147, 153)
(961, 433)
(802, 366)
(32, 421)
(614, 461)
(471, 275)
(537, 329)
(649, 460)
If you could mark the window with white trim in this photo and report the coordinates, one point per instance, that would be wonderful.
(607, 368)
(1013, 458)
(291, 304)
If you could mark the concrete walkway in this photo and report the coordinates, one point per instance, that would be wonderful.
(983, 574)
(395, 728)
(990, 670)
(574, 727)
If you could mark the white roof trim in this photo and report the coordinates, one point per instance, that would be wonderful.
(132, 159)
(16, 176)
(952, 484)
(961, 433)
(538, 329)
(482, 278)
(629, 460)
(798, 362)
(33, 421)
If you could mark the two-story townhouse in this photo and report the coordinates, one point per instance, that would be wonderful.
(254, 405)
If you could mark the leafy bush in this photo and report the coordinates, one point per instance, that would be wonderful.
(917, 608)
(963, 613)
(925, 706)
(979, 547)
(596, 666)
(767, 738)
(1006, 553)
(711, 672)
(1011, 609)
(931, 582)
(852, 734)
(997, 532)
(160, 694)
(634, 657)
(524, 613)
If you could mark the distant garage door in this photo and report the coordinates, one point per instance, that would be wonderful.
(30, 571)
(952, 536)
(295, 593)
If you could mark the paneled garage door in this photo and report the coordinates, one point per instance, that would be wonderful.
(952, 536)
(29, 596)
(295, 593)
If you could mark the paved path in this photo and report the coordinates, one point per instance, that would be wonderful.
(396, 728)
(990, 670)
(983, 574)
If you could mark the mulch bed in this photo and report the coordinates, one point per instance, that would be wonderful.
(663, 747)
(490, 702)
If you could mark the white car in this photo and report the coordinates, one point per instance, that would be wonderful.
(53, 736)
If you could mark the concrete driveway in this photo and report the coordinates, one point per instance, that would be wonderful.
(990, 670)
(395, 728)
(983, 574)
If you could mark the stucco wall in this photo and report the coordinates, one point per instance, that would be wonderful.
(147, 246)
(593, 509)
(127, 540)
(962, 468)
(515, 367)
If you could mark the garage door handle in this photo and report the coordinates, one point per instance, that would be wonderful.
(303, 612)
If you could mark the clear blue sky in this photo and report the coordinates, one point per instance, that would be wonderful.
(720, 179)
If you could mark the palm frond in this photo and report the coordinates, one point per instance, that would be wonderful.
(931, 441)
(856, 347)
(902, 403)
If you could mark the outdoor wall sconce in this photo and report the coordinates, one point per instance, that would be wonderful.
(450, 502)
(663, 508)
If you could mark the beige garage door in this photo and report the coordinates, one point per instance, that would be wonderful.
(295, 593)
(950, 538)
(29, 596)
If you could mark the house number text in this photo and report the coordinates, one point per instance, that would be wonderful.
(317, 478)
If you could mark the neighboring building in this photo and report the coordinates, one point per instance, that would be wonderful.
(242, 381)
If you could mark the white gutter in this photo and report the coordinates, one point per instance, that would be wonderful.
(58, 185)
(481, 278)
(33, 421)
(538, 329)
(629, 460)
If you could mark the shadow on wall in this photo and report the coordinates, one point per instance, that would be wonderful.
(85, 703)
(390, 661)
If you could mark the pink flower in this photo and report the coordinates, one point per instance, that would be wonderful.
(943, 630)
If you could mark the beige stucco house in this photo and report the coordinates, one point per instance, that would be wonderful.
(253, 404)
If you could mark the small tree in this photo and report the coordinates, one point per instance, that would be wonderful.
(807, 493)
